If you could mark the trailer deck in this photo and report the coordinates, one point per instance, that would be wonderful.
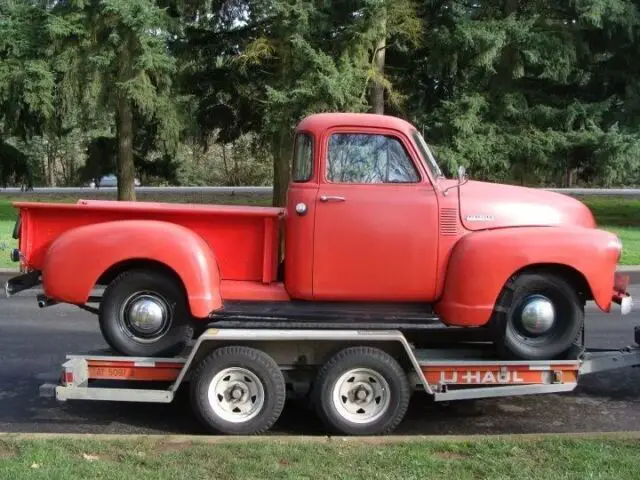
(469, 372)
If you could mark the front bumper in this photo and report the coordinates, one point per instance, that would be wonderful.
(620, 294)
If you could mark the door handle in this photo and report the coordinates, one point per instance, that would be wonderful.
(331, 198)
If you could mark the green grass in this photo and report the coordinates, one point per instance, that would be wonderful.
(630, 238)
(618, 215)
(621, 216)
(146, 458)
(615, 211)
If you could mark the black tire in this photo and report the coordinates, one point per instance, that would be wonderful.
(513, 340)
(115, 314)
(230, 359)
(336, 372)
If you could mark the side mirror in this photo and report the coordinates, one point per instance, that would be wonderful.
(462, 179)
(462, 173)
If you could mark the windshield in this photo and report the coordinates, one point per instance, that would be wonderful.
(427, 156)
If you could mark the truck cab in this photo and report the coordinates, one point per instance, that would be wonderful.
(362, 211)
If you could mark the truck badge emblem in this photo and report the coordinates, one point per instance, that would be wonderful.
(479, 218)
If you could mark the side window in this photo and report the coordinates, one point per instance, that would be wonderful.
(366, 158)
(302, 158)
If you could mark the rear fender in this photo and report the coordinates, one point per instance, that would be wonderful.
(482, 262)
(77, 259)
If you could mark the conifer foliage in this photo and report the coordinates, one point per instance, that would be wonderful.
(535, 92)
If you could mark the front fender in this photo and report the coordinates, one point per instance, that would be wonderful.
(482, 262)
(76, 259)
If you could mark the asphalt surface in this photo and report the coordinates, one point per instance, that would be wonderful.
(33, 344)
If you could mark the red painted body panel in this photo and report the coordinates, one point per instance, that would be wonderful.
(76, 259)
(254, 291)
(482, 262)
(389, 256)
(244, 239)
(381, 242)
(489, 205)
(319, 123)
(299, 235)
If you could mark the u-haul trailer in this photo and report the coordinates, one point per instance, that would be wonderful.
(359, 381)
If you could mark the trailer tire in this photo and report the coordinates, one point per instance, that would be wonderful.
(254, 375)
(144, 313)
(516, 339)
(365, 371)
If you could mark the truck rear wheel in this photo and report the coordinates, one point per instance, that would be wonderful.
(361, 391)
(238, 390)
(539, 316)
(144, 313)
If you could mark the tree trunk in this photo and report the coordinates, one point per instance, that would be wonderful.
(126, 168)
(281, 150)
(377, 90)
(51, 165)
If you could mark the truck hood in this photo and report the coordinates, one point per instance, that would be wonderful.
(489, 205)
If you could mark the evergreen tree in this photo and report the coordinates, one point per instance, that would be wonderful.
(517, 90)
(125, 62)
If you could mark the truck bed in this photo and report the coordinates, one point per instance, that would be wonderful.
(244, 238)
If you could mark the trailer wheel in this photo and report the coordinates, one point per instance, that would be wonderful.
(539, 316)
(361, 391)
(238, 390)
(144, 313)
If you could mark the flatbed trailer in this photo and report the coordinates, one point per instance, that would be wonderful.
(359, 381)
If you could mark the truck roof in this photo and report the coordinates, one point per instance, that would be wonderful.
(320, 122)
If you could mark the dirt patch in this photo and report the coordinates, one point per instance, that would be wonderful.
(509, 408)
(7, 451)
(171, 447)
(450, 455)
(102, 457)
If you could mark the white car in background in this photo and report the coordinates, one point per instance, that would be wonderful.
(110, 181)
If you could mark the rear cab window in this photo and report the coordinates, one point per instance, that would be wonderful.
(302, 158)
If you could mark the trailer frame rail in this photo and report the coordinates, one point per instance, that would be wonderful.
(468, 375)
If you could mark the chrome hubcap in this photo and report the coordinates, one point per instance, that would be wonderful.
(146, 316)
(538, 315)
(236, 395)
(361, 396)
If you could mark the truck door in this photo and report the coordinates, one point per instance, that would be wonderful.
(376, 225)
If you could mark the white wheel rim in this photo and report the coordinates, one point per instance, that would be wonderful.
(361, 396)
(236, 395)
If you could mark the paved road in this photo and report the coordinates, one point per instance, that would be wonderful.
(33, 343)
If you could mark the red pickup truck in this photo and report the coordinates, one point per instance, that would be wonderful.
(373, 233)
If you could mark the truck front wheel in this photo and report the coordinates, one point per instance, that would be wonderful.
(144, 313)
(539, 316)
(361, 391)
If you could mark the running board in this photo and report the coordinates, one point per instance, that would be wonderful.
(326, 315)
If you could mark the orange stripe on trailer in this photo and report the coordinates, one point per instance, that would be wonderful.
(495, 375)
(124, 363)
(123, 370)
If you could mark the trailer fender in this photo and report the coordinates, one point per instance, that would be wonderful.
(285, 346)
(79, 257)
(482, 262)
